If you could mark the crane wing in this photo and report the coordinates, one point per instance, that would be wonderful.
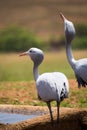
(81, 72)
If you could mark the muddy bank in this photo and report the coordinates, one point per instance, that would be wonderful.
(25, 109)
(70, 118)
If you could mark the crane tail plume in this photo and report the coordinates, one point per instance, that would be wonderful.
(81, 82)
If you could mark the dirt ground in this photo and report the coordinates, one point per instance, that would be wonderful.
(34, 110)
(25, 109)
(24, 93)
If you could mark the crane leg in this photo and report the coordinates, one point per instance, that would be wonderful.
(58, 119)
(49, 106)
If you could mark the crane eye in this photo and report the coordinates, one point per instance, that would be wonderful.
(31, 51)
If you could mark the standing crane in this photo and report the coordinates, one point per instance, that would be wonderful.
(50, 86)
(79, 66)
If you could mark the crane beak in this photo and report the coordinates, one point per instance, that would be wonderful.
(24, 54)
(62, 16)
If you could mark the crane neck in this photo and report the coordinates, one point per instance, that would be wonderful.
(35, 72)
(70, 55)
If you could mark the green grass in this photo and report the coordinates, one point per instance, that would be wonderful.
(15, 68)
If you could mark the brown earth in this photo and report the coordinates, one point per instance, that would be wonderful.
(24, 93)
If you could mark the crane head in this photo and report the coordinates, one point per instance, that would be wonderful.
(35, 54)
(68, 28)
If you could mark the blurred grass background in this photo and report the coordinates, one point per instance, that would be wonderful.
(42, 17)
(27, 23)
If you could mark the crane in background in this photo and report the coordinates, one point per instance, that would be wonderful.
(50, 86)
(79, 66)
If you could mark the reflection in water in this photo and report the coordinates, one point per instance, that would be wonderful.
(11, 118)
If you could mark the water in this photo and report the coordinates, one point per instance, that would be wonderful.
(12, 118)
